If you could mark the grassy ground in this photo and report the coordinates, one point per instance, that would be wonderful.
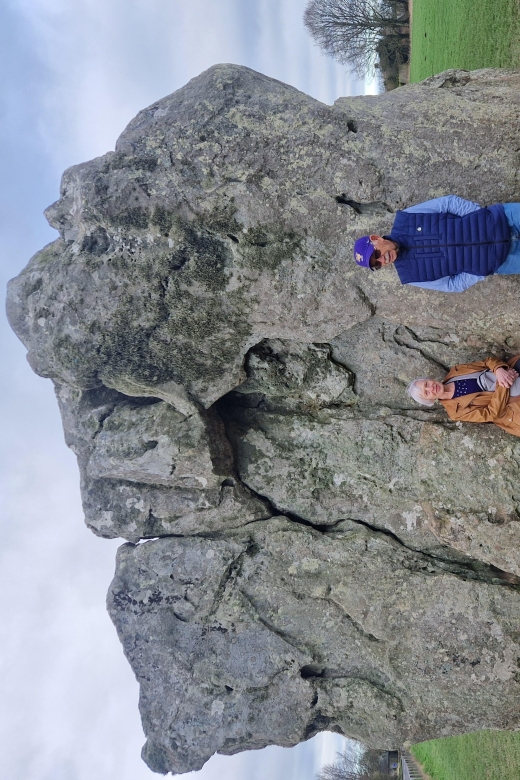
(467, 34)
(486, 755)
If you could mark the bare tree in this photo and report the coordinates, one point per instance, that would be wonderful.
(349, 766)
(350, 30)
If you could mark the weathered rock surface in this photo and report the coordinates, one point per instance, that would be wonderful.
(280, 629)
(323, 554)
(441, 487)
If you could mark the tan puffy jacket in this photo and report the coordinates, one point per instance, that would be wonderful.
(496, 407)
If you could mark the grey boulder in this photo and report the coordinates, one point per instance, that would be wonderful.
(307, 548)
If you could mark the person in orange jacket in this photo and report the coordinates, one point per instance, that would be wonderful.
(484, 391)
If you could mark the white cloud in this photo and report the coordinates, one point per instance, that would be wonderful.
(107, 60)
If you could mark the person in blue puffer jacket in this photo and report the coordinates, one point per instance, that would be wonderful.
(447, 244)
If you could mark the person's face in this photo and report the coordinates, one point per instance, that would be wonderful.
(385, 252)
(430, 389)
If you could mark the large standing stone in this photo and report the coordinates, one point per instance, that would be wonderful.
(320, 553)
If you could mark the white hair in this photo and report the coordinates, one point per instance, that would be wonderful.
(415, 393)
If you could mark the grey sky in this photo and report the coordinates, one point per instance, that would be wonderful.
(74, 73)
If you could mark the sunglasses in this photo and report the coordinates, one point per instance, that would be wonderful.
(374, 258)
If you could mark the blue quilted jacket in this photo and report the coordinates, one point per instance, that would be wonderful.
(432, 246)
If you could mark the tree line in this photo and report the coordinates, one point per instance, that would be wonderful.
(349, 766)
(363, 34)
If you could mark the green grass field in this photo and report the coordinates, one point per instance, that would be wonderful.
(485, 755)
(467, 34)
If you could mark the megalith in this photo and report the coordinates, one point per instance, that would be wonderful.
(306, 549)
